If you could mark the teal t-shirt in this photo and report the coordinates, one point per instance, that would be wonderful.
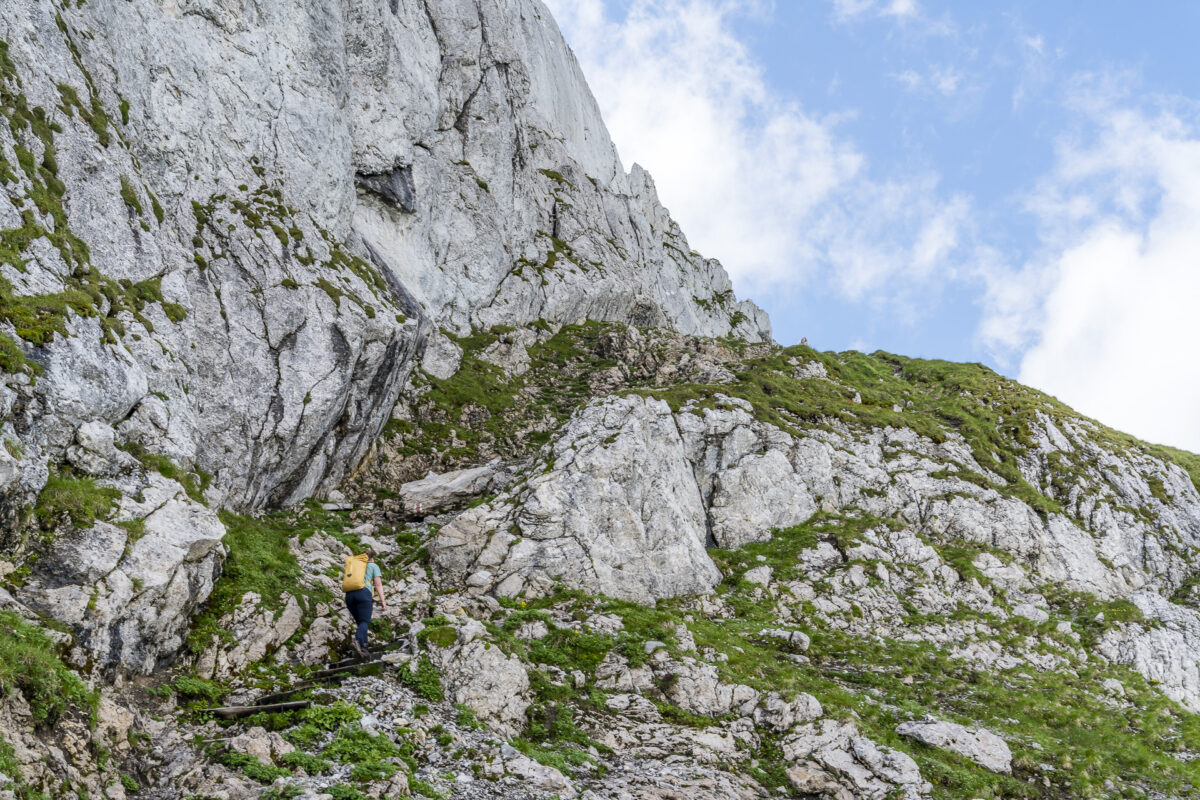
(372, 573)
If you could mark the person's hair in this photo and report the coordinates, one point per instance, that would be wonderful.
(370, 554)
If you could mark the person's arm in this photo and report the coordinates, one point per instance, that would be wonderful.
(379, 592)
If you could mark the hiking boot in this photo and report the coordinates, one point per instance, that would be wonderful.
(362, 651)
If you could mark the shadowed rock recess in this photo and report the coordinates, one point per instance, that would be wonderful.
(283, 281)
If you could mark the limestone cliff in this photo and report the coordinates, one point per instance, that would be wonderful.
(229, 227)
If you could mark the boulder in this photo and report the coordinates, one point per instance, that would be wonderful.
(481, 677)
(538, 776)
(129, 600)
(981, 746)
(615, 509)
(435, 493)
(831, 758)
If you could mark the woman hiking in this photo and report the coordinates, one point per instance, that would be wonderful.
(362, 575)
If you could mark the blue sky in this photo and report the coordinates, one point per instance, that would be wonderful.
(1014, 183)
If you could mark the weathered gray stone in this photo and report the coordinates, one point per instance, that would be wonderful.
(129, 602)
(434, 493)
(981, 746)
(619, 514)
(481, 677)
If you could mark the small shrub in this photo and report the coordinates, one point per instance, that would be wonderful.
(332, 717)
(305, 735)
(423, 788)
(425, 681)
(191, 687)
(344, 792)
(281, 793)
(353, 745)
(253, 768)
(465, 718)
(372, 771)
(311, 764)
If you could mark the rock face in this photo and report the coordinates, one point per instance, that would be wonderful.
(491, 684)
(129, 593)
(619, 513)
(1162, 647)
(294, 194)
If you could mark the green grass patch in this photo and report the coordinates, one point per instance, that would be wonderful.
(425, 682)
(29, 663)
(79, 501)
(252, 768)
(260, 561)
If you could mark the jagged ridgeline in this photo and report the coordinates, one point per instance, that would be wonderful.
(282, 282)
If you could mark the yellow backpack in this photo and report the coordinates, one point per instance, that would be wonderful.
(355, 576)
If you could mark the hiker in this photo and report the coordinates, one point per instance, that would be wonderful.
(361, 576)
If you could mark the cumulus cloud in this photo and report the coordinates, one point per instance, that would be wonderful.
(774, 191)
(1104, 317)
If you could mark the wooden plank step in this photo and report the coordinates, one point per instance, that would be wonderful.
(346, 671)
(237, 712)
(390, 647)
(303, 686)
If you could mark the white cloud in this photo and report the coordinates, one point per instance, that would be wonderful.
(911, 79)
(899, 9)
(943, 80)
(848, 9)
(946, 79)
(774, 191)
(1105, 318)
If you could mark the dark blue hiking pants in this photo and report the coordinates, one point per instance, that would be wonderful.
(360, 603)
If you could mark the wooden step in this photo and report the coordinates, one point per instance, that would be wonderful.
(303, 686)
(237, 712)
(390, 647)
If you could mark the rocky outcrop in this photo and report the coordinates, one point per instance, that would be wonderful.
(1162, 647)
(833, 760)
(128, 592)
(616, 511)
(493, 685)
(628, 481)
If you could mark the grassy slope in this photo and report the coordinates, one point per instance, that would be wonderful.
(479, 407)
